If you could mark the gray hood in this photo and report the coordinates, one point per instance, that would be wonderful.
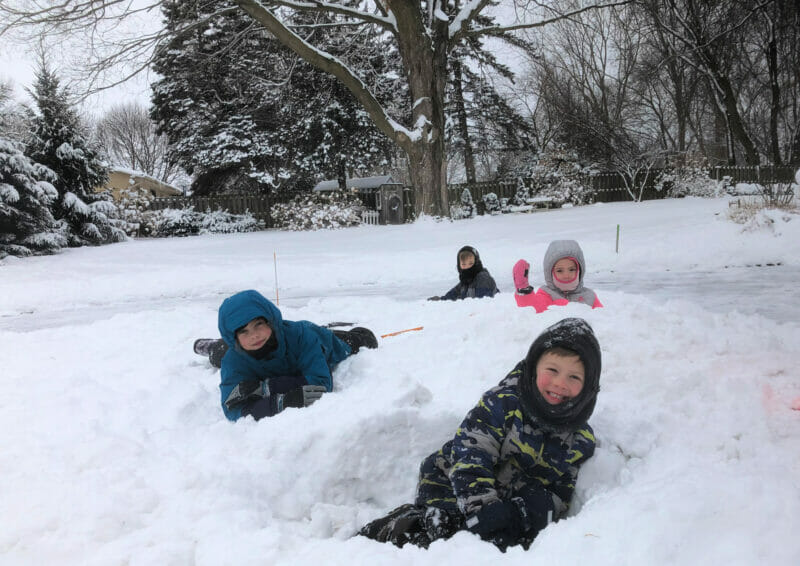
(555, 251)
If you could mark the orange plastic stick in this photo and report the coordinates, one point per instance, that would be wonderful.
(401, 331)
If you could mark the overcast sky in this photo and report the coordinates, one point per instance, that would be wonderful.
(68, 56)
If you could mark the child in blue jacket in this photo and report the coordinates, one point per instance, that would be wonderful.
(269, 363)
(512, 465)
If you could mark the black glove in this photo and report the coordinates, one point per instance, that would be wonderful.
(274, 403)
(285, 383)
(400, 526)
(246, 392)
(300, 396)
(435, 298)
(439, 524)
(496, 518)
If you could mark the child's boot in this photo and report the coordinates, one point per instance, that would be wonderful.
(357, 338)
(213, 348)
(202, 346)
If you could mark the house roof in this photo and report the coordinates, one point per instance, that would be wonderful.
(360, 183)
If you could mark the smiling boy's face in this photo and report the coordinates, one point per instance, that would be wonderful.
(254, 334)
(559, 378)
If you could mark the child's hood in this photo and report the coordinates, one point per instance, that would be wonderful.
(557, 250)
(239, 309)
(573, 334)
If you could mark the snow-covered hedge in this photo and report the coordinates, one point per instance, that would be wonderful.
(188, 222)
(315, 211)
(691, 180)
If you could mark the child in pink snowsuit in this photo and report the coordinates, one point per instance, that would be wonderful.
(563, 267)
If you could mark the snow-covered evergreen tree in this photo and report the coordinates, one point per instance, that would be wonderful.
(243, 112)
(58, 143)
(27, 225)
(13, 123)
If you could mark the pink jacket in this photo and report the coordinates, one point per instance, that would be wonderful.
(541, 299)
(549, 294)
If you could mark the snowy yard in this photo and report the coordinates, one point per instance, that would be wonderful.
(115, 451)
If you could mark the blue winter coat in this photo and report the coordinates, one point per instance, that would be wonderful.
(304, 349)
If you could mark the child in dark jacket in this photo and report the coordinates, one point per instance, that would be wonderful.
(563, 267)
(511, 468)
(269, 363)
(474, 280)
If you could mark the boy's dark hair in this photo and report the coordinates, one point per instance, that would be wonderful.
(236, 332)
(572, 336)
(561, 352)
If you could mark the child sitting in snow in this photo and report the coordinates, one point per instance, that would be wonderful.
(511, 468)
(474, 280)
(563, 268)
(269, 363)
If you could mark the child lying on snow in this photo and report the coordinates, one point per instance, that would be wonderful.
(269, 363)
(512, 465)
(474, 280)
(563, 268)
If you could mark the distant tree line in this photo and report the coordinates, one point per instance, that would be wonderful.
(274, 95)
(669, 81)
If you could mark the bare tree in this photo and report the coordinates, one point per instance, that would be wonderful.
(770, 73)
(585, 78)
(129, 139)
(425, 32)
(709, 32)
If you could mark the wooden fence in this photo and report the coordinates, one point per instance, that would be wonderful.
(605, 187)
(763, 174)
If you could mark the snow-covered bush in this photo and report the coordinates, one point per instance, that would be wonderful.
(690, 180)
(566, 190)
(314, 211)
(133, 204)
(756, 218)
(465, 208)
(171, 222)
(492, 203)
(188, 222)
(560, 177)
(223, 222)
(522, 195)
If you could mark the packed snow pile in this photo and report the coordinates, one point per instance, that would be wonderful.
(114, 448)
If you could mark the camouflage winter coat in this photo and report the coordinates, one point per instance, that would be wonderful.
(500, 453)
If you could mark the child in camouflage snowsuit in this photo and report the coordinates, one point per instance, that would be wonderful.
(512, 465)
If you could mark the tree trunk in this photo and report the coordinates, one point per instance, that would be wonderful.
(341, 175)
(775, 101)
(425, 61)
(461, 113)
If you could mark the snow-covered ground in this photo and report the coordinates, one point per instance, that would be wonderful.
(114, 449)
